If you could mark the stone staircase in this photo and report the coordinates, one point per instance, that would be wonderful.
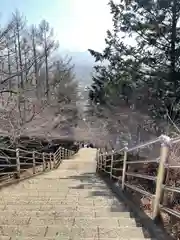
(70, 202)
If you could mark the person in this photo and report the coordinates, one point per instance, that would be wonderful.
(91, 145)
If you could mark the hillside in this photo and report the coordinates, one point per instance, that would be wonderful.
(83, 64)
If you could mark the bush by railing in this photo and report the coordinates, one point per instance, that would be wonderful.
(107, 162)
(16, 163)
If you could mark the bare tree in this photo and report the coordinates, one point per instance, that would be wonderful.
(48, 45)
(33, 35)
(39, 93)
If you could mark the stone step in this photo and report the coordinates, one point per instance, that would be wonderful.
(37, 194)
(128, 232)
(68, 203)
(67, 238)
(105, 222)
(42, 189)
(33, 198)
(71, 221)
(33, 207)
(79, 206)
(66, 231)
(32, 213)
(27, 201)
(63, 212)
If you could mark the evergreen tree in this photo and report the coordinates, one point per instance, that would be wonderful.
(145, 73)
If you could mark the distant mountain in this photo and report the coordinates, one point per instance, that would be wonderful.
(83, 73)
(83, 62)
(79, 57)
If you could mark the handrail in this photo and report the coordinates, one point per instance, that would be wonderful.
(175, 140)
(104, 163)
(38, 162)
(162, 138)
(143, 145)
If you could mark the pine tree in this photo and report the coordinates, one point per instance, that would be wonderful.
(145, 74)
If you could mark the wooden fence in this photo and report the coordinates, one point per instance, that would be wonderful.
(18, 163)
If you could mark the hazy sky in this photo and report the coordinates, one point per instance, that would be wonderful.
(78, 24)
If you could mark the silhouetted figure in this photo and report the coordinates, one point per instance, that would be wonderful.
(91, 145)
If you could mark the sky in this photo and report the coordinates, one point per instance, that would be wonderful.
(78, 24)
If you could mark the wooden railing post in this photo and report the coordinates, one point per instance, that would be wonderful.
(54, 160)
(18, 166)
(104, 160)
(62, 153)
(124, 167)
(34, 162)
(97, 159)
(100, 156)
(44, 162)
(97, 155)
(160, 176)
(112, 160)
(67, 153)
(101, 161)
(50, 161)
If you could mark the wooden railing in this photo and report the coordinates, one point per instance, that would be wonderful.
(62, 153)
(106, 162)
(17, 163)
